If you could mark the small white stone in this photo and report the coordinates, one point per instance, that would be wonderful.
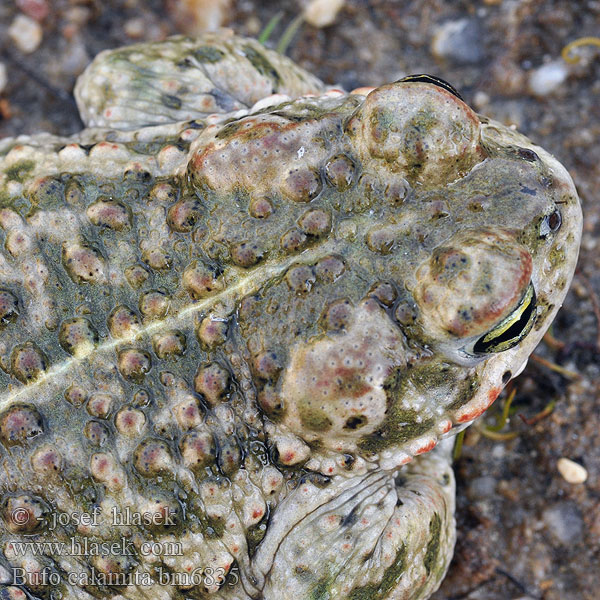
(3, 77)
(480, 100)
(546, 79)
(135, 28)
(571, 471)
(322, 13)
(26, 33)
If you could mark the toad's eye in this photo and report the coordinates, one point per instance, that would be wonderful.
(550, 223)
(528, 155)
(423, 78)
(511, 330)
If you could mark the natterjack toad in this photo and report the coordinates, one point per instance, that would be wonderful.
(237, 304)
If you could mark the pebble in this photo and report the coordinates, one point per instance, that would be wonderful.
(480, 100)
(458, 41)
(564, 521)
(549, 77)
(135, 28)
(571, 471)
(482, 487)
(196, 16)
(26, 33)
(322, 13)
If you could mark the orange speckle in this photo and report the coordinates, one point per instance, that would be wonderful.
(426, 448)
(288, 457)
(493, 394)
(470, 415)
(478, 411)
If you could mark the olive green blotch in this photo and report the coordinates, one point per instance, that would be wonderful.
(20, 170)
(229, 130)
(402, 425)
(463, 392)
(212, 528)
(390, 579)
(433, 546)
(381, 121)
(261, 64)
(314, 419)
(171, 101)
(256, 533)
(321, 590)
(557, 256)
(208, 54)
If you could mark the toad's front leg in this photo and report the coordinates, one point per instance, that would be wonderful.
(379, 536)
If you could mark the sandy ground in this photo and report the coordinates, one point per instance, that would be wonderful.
(524, 532)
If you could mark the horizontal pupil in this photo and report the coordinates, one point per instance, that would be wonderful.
(512, 334)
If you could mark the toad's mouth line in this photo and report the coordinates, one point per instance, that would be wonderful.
(511, 330)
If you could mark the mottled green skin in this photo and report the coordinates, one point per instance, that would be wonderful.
(251, 319)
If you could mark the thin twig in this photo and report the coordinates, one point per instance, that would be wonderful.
(503, 419)
(541, 415)
(522, 587)
(551, 341)
(584, 41)
(566, 373)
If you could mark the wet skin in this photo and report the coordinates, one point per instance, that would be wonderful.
(240, 306)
